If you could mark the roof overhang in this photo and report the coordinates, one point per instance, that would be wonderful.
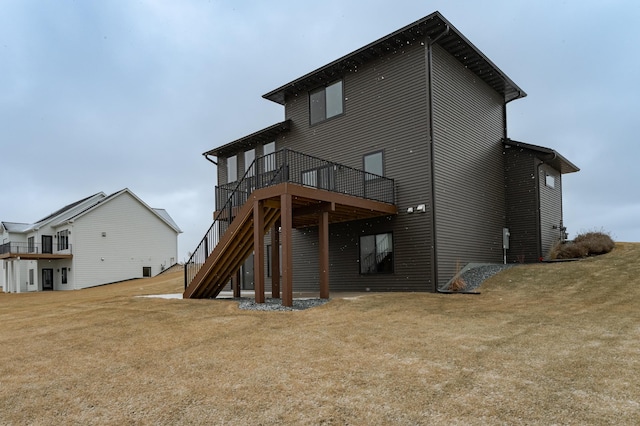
(548, 155)
(267, 134)
(431, 27)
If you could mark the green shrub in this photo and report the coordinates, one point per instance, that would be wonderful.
(588, 244)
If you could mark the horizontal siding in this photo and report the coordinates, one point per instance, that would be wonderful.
(469, 181)
(550, 208)
(522, 205)
(385, 109)
(135, 237)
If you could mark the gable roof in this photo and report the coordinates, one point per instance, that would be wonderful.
(76, 209)
(548, 155)
(66, 208)
(160, 213)
(433, 26)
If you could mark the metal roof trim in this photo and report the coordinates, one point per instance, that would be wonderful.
(252, 139)
(566, 166)
(430, 26)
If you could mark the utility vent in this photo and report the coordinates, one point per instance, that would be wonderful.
(104, 234)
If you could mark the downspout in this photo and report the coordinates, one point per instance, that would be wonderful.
(434, 251)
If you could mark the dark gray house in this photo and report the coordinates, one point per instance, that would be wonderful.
(392, 167)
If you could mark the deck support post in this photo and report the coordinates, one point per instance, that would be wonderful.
(323, 237)
(275, 260)
(258, 250)
(236, 283)
(287, 257)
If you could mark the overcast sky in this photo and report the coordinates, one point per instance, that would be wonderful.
(102, 95)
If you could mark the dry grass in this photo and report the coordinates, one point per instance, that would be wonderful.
(543, 344)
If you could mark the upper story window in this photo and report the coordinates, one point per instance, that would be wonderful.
(63, 239)
(232, 169)
(373, 165)
(249, 156)
(550, 181)
(326, 102)
(31, 245)
(268, 151)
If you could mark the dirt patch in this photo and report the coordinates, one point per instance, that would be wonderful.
(543, 344)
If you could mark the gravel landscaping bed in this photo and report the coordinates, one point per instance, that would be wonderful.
(474, 275)
(272, 304)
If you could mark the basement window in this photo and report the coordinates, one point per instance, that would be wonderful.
(376, 254)
(146, 271)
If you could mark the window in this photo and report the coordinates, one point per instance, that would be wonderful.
(322, 177)
(326, 102)
(268, 151)
(63, 240)
(31, 276)
(550, 181)
(376, 254)
(249, 156)
(31, 246)
(146, 271)
(232, 169)
(63, 275)
(373, 163)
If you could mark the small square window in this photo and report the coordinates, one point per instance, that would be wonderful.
(146, 271)
(550, 181)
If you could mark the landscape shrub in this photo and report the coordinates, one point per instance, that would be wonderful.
(588, 244)
(458, 284)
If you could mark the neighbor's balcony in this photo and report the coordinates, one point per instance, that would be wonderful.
(35, 251)
(295, 167)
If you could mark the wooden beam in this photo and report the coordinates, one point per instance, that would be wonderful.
(275, 260)
(287, 256)
(258, 250)
(237, 283)
(323, 237)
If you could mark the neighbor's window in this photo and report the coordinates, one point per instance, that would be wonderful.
(31, 246)
(31, 275)
(268, 151)
(376, 254)
(232, 169)
(249, 156)
(373, 165)
(63, 239)
(326, 102)
(146, 271)
(550, 181)
(63, 275)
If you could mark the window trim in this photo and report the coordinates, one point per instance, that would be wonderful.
(376, 272)
(325, 104)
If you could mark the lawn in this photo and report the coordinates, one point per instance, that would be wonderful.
(542, 344)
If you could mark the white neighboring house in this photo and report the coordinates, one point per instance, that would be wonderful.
(97, 240)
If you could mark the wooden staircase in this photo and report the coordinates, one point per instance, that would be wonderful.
(229, 254)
